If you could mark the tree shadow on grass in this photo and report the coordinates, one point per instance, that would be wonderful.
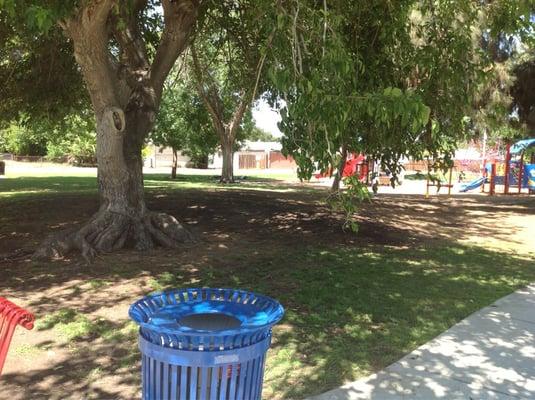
(86, 366)
(354, 303)
(488, 355)
(349, 312)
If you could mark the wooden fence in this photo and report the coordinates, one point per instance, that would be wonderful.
(254, 160)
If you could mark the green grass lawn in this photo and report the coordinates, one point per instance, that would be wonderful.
(20, 186)
(351, 312)
(350, 309)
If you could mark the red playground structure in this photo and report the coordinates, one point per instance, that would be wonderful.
(356, 164)
(11, 315)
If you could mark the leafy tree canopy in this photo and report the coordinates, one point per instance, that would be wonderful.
(183, 123)
(260, 135)
(33, 62)
(385, 89)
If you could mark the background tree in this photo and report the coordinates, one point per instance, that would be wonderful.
(227, 60)
(447, 69)
(20, 138)
(257, 134)
(506, 38)
(514, 20)
(523, 90)
(183, 124)
(73, 138)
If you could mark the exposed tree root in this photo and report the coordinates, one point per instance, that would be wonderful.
(108, 231)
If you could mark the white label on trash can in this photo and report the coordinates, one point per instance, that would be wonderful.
(227, 359)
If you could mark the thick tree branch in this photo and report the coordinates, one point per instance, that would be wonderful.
(209, 97)
(249, 96)
(128, 36)
(237, 117)
(179, 19)
(133, 66)
(87, 28)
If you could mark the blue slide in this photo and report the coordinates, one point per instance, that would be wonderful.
(473, 185)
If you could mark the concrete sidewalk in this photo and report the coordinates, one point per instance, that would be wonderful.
(489, 355)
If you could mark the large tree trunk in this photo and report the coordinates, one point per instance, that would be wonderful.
(123, 218)
(227, 170)
(125, 97)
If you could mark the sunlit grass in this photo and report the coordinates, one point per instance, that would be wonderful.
(73, 326)
(24, 186)
(351, 312)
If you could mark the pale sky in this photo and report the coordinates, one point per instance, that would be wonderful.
(266, 118)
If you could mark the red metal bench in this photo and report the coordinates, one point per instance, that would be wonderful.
(11, 315)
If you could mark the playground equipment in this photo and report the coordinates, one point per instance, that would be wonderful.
(513, 174)
(437, 182)
(356, 164)
(11, 315)
(473, 185)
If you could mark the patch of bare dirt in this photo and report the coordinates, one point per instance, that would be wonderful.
(233, 226)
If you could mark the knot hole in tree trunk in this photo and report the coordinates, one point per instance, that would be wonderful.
(116, 118)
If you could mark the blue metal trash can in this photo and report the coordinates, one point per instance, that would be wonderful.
(204, 344)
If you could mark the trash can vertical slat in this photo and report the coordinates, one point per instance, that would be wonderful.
(261, 376)
(143, 374)
(158, 381)
(254, 394)
(150, 384)
(193, 384)
(174, 382)
(233, 376)
(165, 381)
(251, 382)
(241, 383)
(248, 383)
(204, 382)
(214, 383)
(224, 381)
(183, 382)
(147, 375)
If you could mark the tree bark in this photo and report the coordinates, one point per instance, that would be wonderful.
(123, 219)
(174, 166)
(125, 100)
(227, 170)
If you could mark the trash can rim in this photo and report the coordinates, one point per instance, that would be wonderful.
(275, 315)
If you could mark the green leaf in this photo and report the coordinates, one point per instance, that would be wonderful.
(425, 112)
(396, 92)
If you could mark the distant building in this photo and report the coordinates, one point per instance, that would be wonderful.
(252, 155)
(163, 157)
(256, 155)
